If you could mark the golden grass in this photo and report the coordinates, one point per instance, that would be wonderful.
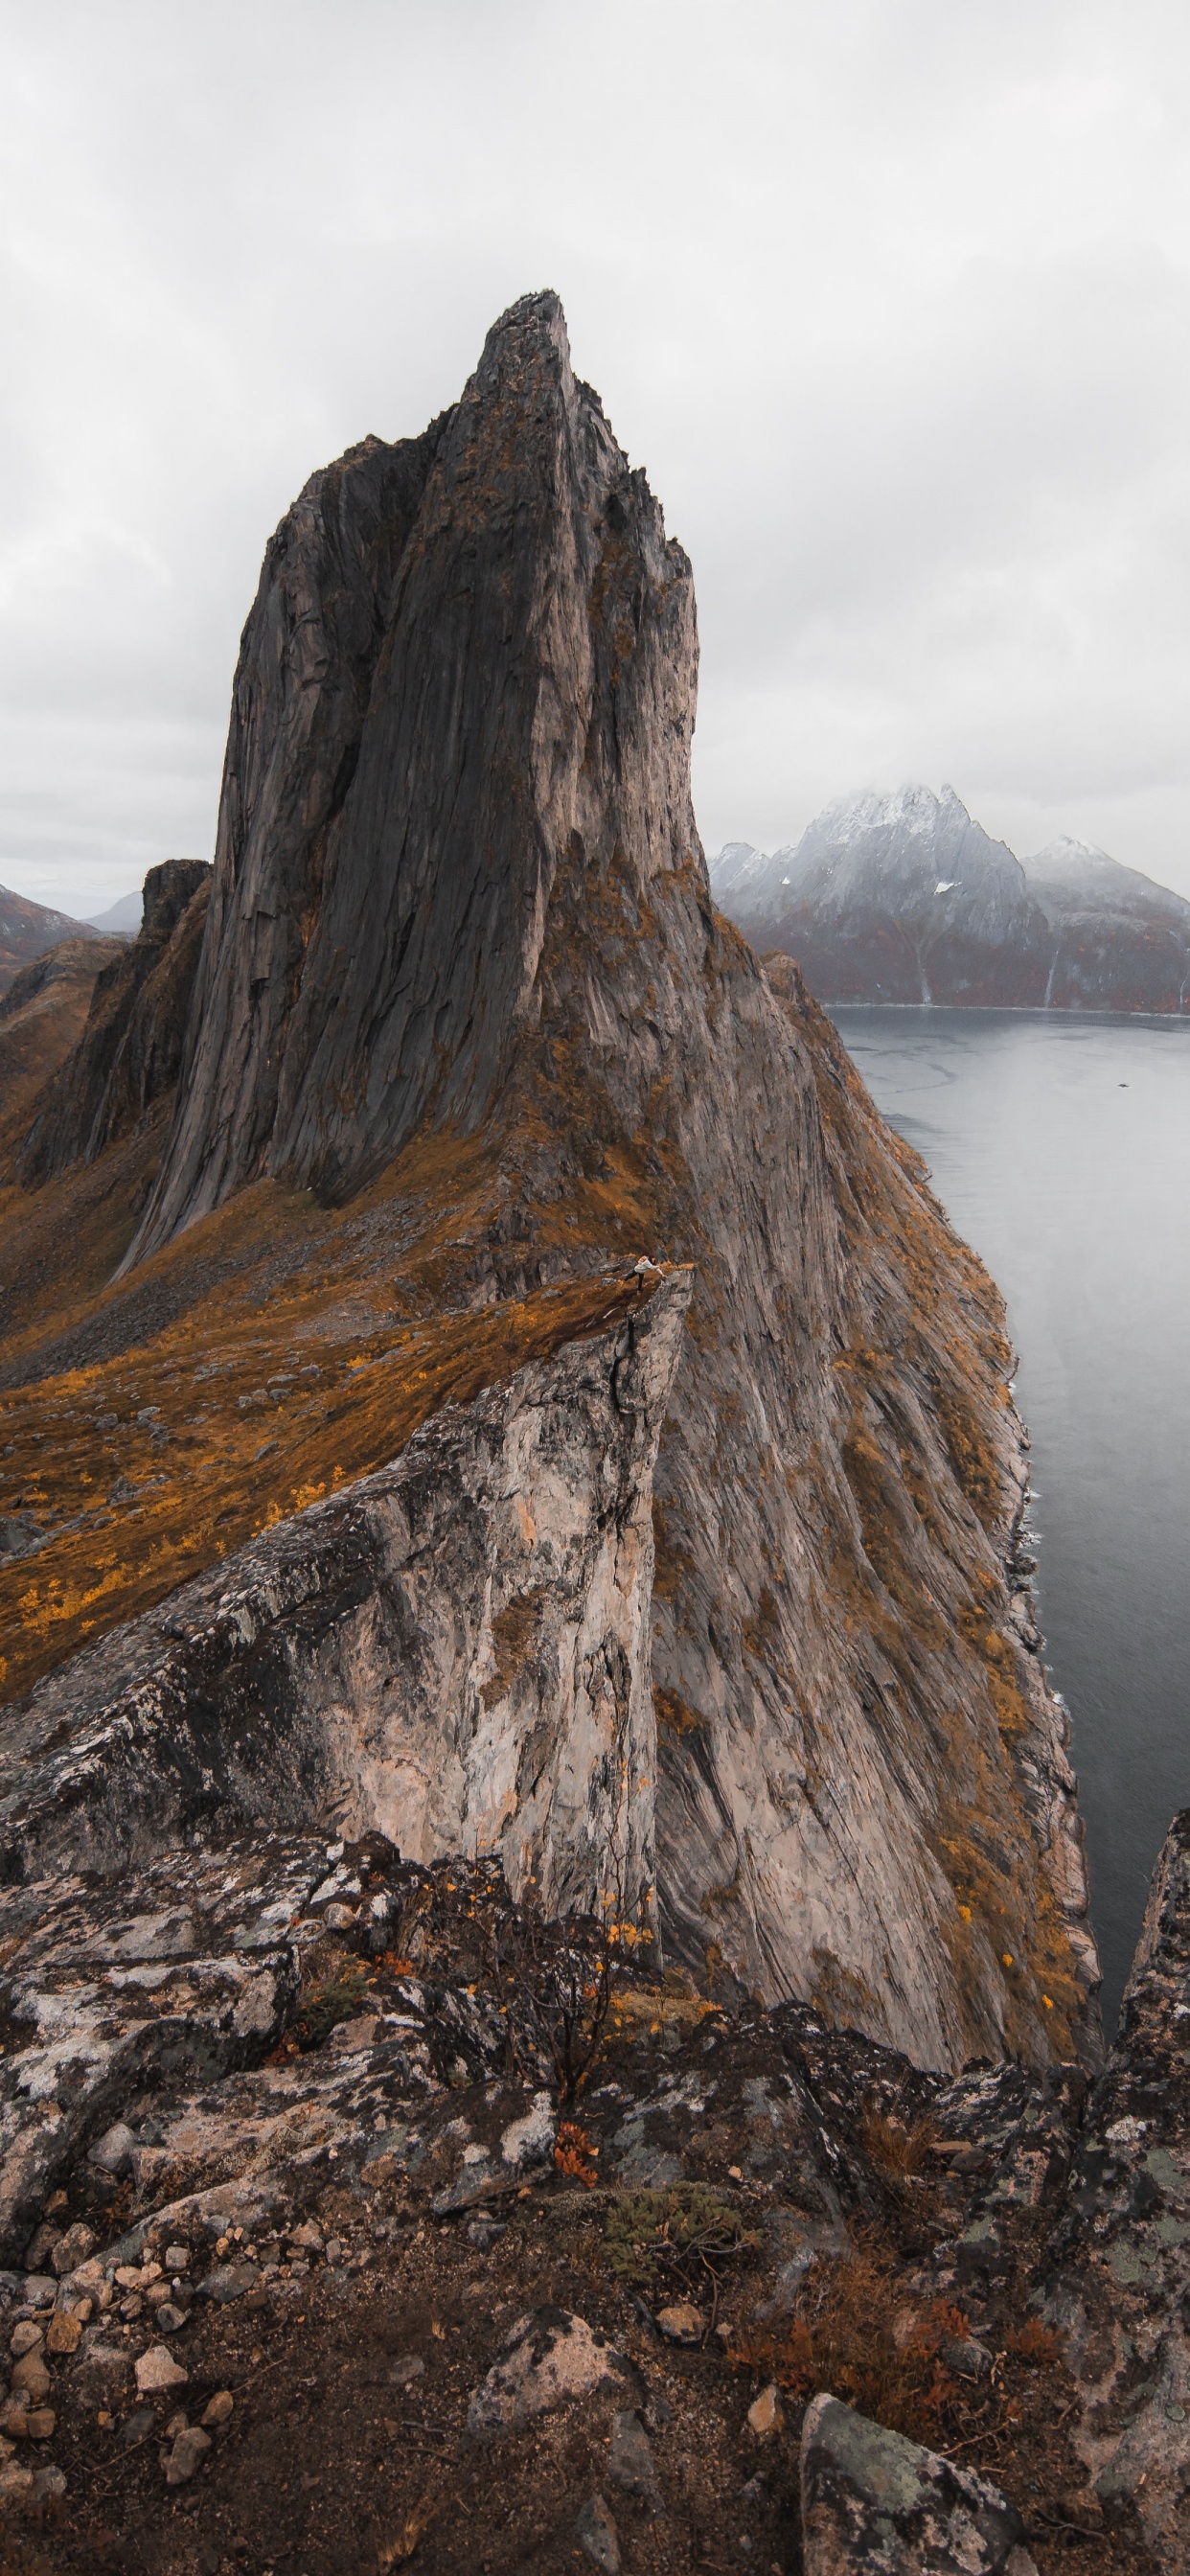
(239, 1455)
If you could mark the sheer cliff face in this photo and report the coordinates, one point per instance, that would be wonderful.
(459, 893)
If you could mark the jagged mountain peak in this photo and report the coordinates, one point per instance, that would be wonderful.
(910, 808)
(470, 663)
(910, 862)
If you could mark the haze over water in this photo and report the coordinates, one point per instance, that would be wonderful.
(1060, 1148)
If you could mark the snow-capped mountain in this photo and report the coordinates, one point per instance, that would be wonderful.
(900, 896)
(1073, 876)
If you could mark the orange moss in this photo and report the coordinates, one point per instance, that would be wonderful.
(218, 1481)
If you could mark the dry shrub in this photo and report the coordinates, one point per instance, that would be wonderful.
(850, 2333)
(1034, 2343)
(897, 2152)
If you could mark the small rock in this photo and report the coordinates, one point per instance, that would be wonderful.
(49, 2484)
(220, 2409)
(549, 2359)
(596, 2533)
(113, 2151)
(169, 2318)
(26, 2337)
(157, 2370)
(407, 2369)
(308, 2236)
(229, 2281)
(177, 2258)
(339, 1918)
(72, 2248)
(682, 2323)
(14, 2417)
(176, 2423)
(764, 2417)
(483, 2232)
(39, 2423)
(64, 2332)
(184, 2458)
(135, 2426)
(30, 2373)
(40, 2291)
(15, 2483)
(630, 2463)
(967, 2359)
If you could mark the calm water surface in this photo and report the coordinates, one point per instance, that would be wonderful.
(1060, 1147)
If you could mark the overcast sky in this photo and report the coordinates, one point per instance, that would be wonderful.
(889, 297)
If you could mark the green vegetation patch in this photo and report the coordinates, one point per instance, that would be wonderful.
(679, 2234)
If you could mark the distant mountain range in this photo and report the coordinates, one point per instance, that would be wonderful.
(29, 930)
(903, 898)
(124, 915)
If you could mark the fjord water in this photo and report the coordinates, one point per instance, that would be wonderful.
(1060, 1148)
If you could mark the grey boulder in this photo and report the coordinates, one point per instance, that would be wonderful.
(872, 2500)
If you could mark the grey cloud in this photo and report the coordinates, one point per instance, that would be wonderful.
(890, 300)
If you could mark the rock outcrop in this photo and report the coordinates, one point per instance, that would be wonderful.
(459, 894)
(1118, 2282)
(903, 898)
(131, 1048)
(454, 1651)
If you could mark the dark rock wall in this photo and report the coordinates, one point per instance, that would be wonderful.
(300, 701)
(131, 1048)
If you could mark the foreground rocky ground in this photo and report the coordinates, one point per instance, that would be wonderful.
(366, 2218)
